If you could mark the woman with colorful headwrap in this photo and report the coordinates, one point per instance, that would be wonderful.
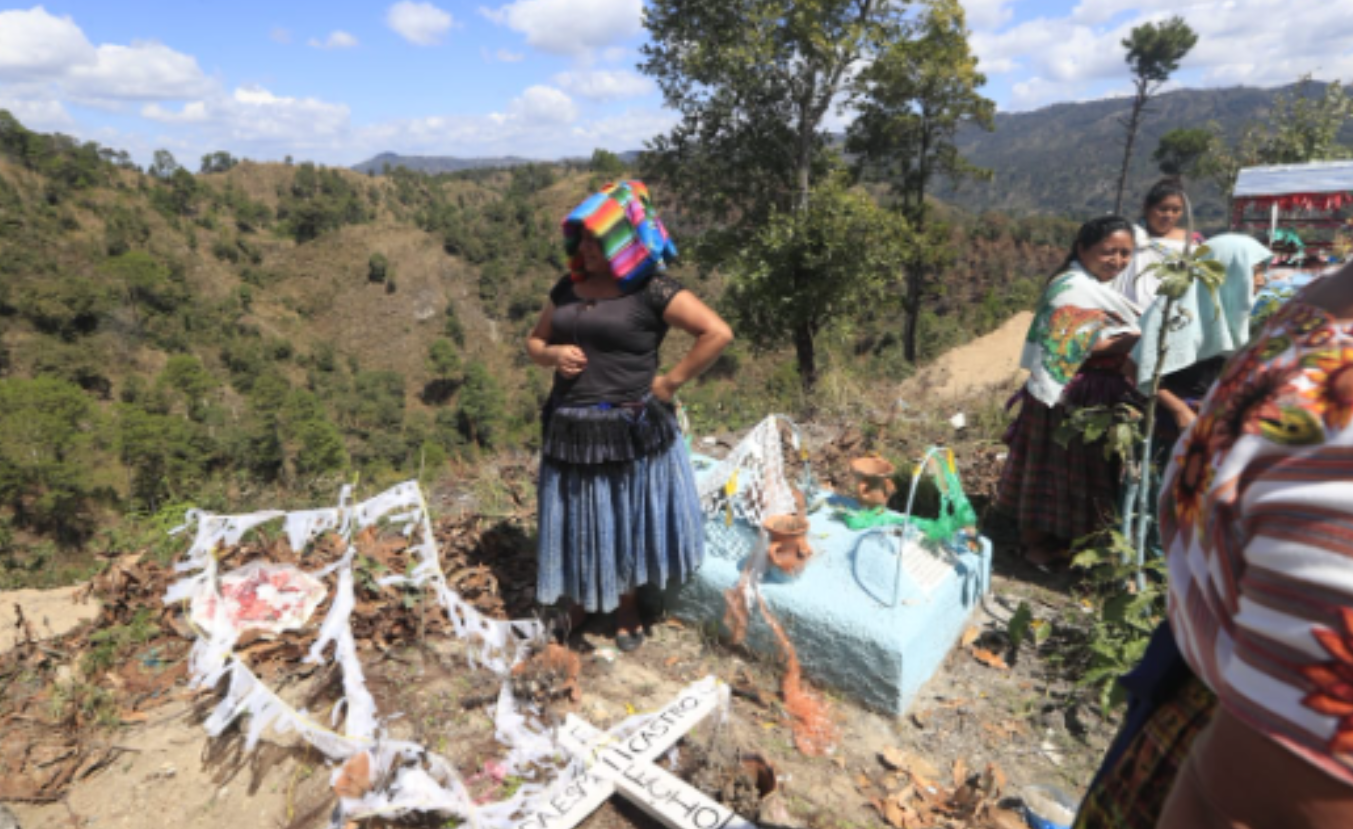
(618, 506)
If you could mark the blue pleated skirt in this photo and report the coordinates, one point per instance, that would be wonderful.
(606, 529)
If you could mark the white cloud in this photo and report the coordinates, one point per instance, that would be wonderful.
(1251, 42)
(570, 27)
(419, 23)
(35, 44)
(987, 14)
(624, 132)
(1055, 49)
(42, 56)
(38, 114)
(280, 35)
(530, 127)
(142, 71)
(501, 55)
(1097, 12)
(542, 105)
(337, 39)
(194, 112)
(604, 85)
(252, 114)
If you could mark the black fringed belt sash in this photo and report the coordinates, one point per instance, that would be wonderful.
(607, 432)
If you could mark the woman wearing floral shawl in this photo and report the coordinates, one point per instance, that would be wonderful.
(1075, 353)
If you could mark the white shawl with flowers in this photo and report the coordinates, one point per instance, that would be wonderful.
(1075, 312)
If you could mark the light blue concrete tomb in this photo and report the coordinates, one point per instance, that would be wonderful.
(859, 623)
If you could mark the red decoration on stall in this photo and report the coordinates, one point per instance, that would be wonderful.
(1295, 201)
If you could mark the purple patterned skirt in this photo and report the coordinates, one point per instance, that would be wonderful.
(1067, 491)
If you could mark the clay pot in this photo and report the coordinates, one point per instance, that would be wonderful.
(789, 548)
(873, 481)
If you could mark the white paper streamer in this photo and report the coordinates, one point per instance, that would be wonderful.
(418, 780)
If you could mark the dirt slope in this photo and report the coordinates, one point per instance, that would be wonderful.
(48, 614)
(986, 361)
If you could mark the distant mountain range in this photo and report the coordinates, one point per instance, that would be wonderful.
(433, 164)
(1062, 159)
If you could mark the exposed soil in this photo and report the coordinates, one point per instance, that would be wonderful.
(989, 360)
(43, 614)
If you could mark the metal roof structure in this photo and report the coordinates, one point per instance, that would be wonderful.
(1291, 179)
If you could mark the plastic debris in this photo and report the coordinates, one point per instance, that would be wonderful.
(259, 596)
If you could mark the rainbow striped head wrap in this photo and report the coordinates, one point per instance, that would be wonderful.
(622, 219)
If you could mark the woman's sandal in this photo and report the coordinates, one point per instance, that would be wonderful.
(1051, 562)
(628, 642)
(566, 623)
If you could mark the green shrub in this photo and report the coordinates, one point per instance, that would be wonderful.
(480, 407)
(377, 267)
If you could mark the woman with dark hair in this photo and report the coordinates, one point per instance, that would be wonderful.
(618, 506)
(1075, 353)
(1159, 235)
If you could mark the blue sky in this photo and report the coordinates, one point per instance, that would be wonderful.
(342, 80)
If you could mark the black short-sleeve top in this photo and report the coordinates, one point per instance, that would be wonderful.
(620, 336)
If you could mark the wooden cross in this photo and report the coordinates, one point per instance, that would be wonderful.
(627, 767)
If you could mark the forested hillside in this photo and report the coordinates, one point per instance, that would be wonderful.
(271, 329)
(1063, 159)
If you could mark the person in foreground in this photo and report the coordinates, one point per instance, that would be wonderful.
(1249, 689)
(1159, 235)
(618, 505)
(1075, 353)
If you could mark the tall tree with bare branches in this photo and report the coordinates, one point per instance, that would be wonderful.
(1154, 51)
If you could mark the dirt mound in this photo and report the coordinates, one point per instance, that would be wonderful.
(46, 614)
(986, 361)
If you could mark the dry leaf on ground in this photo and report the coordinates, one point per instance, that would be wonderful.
(997, 777)
(1004, 819)
(990, 659)
(913, 764)
(893, 758)
(355, 778)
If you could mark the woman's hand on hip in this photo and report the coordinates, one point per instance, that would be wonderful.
(569, 360)
(663, 388)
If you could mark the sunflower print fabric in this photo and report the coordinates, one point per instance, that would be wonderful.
(1257, 522)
